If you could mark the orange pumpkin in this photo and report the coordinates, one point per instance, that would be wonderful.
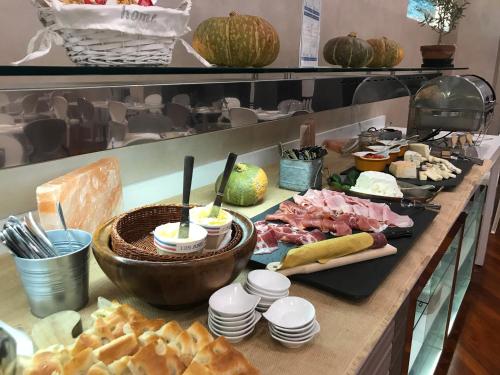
(387, 53)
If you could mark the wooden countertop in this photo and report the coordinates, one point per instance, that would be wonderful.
(349, 330)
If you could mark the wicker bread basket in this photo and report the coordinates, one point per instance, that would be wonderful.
(131, 234)
(108, 47)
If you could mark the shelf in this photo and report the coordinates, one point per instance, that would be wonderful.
(7, 70)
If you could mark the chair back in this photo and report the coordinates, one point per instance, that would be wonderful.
(153, 99)
(48, 137)
(117, 131)
(11, 151)
(117, 112)
(300, 113)
(6, 119)
(4, 100)
(60, 107)
(29, 102)
(242, 116)
(180, 115)
(231, 103)
(182, 99)
(150, 123)
(86, 109)
(290, 105)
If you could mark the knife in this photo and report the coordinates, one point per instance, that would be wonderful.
(186, 192)
(231, 159)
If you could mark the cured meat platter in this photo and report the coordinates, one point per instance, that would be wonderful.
(353, 281)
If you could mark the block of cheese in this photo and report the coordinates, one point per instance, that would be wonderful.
(421, 148)
(414, 157)
(403, 169)
(88, 196)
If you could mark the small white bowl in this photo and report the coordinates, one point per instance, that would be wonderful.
(231, 319)
(295, 335)
(229, 323)
(224, 333)
(231, 328)
(300, 330)
(233, 339)
(253, 290)
(216, 232)
(269, 281)
(195, 243)
(232, 301)
(290, 312)
(295, 344)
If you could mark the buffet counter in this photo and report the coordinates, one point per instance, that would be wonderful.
(349, 330)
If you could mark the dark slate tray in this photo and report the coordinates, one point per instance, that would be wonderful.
(359, 280)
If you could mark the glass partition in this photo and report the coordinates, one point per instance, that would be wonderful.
(41, 124)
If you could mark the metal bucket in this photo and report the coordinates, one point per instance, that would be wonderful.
(59, 283)
(300, 175)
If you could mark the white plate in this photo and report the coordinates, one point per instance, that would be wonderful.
(293, 344)
(233, 340)
(237, 318)
(242, 327)
(221, 332)
(290, 312)
(254, 290)
(232, 301)
(272, 282)
(303, 329)
(300, 336)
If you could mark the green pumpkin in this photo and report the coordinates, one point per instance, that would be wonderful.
(387, 53)
(246, 186)
(237, 40)
(348, 51)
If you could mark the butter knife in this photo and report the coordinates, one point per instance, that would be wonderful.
(186, 192)
(231, 159)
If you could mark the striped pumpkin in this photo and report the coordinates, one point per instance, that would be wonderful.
(348, 51)
(387, 53)
(246, 186)
(237, 40)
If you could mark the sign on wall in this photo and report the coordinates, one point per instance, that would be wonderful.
(309, 40)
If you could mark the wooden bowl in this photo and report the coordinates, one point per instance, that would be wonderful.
(368, 164)
(402, 150)
(174, 284)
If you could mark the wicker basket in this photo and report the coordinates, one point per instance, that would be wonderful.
(131, 234)
(87, 46)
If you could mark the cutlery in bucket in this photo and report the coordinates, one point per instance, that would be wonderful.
(231, 159)
(186, 192)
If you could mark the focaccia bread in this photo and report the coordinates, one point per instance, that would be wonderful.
(122, 341)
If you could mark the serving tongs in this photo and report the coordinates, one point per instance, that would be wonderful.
(186, 192)
(416, 204)
(231, 159)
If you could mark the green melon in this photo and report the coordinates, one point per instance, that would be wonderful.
(348, 51)
(237, 40)
(246, 186)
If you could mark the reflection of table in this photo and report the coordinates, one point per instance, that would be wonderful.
(207, 114)
(271, 115)
(103, 104)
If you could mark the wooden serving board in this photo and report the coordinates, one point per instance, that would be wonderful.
(341, 261)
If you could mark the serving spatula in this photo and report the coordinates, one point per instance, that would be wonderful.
(231, 159)
(186, 192)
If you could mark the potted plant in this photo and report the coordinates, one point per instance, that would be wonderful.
(443, 17)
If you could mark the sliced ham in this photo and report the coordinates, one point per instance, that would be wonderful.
(266, 239)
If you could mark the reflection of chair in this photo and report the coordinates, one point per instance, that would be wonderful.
(4, 100)
(6, 119)
(118, 112)
(150, 123)
(231, 102)
(290, 105)
(180, 115)
(48, 138)
(117, 132)
(242, 116)
(154, 100)
(182, 99)
(11, 151)
(87, 112)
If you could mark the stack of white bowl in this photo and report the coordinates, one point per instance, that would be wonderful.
(292, 321)
(268, 285)
(232, 314)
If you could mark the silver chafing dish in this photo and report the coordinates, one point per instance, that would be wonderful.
(454, 103)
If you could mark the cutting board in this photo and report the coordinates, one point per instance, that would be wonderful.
(341, 261)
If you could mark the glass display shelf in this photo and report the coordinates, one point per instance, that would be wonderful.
(431, 314)
(9, 70)
(462, 284)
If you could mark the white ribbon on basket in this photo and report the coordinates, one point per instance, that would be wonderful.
(45, 38)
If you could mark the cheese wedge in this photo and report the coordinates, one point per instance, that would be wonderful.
(414, 157)
(403, 169)
(423, 149)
